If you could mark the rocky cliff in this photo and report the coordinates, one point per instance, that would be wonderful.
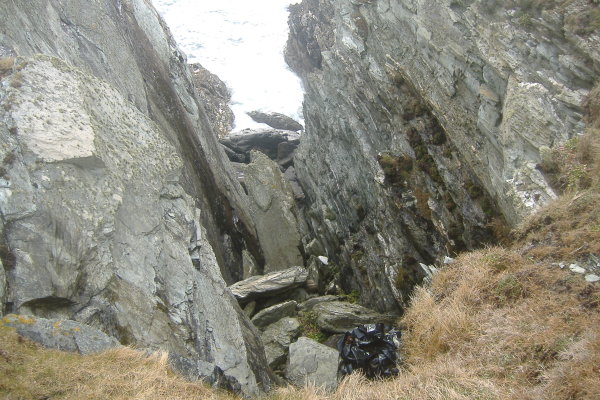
(425, 124)
(119, 208)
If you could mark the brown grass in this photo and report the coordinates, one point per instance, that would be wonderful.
(29, 372)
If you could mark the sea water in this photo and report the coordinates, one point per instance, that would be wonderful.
(242, 42)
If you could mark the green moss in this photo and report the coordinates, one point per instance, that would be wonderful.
(352, 297)
(396, 169)
(310, 328)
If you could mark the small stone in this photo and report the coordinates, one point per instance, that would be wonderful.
(324, 260)
(592, 278)
(577, 269)
(448, 260)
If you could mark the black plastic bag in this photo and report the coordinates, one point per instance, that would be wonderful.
(371, 350)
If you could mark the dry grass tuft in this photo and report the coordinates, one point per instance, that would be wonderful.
(28, 371)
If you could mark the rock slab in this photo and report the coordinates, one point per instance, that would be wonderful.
(312, 362)
(269, 284)
(66, 335)
(275, 313)
(339, 316)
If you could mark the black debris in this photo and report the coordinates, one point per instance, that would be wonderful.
(371, 350)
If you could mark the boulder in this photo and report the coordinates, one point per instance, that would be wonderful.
(215, 97)
(312, 362)
(276, 120)
(298, 295)
(309, 304)
(274, 210)
(277, 338)
(66, 335)
(269, 284)
(290, 175)
(275, 313)
(339, 316)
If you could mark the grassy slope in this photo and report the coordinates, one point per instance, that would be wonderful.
(499, 323)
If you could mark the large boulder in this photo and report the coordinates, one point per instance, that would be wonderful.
(277, 338)
(312, 362)
(66, 335)
(101, 230)
(215, 96)
(268, 285)
(276, 120)
(339, 316)
(274, 209)
(275, 313)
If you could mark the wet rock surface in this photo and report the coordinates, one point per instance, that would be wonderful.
(276, 120)
(312, 362)
(278, 145)
(66, 335)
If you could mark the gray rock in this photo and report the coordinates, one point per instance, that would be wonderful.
(339, 317)
(273, 207)
(102, 215)
(276, 120)
(102, 230)
(275, 313)
(215, 97)
(277, 338)
(309, 304)
(592, 278)
(312, 362)
(66, 335)
(421, 122)
(269, 284)
(577, 269)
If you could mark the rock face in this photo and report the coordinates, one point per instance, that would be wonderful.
(276, 120)
(215, 97)
(101, 228)
(269, 284)
(119, 208)
(312, 362)
(424, 121)
(59, 334)
(274, 209)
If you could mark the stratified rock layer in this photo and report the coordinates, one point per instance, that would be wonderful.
(424, 121)
(215, 97)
